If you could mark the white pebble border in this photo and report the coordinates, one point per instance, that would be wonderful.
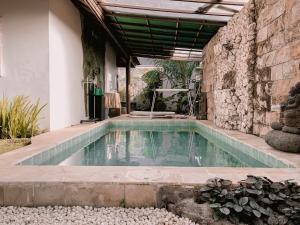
(76, 215)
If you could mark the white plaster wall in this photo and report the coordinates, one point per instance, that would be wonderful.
(25, 51)
(66, 59)
(111, 69)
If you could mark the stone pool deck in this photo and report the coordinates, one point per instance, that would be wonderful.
(114, 186)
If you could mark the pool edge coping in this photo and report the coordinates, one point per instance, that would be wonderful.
(78, 185)
(28, 152)
(266, 157)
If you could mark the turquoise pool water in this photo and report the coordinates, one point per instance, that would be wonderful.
(157, 148)
(177, 143)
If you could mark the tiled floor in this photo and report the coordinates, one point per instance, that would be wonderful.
(111, 186)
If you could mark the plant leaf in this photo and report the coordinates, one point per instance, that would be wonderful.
(275, 197)
(225, 211)
(226, 183)
(281, 195)
(267, 201)
(215, 205)
(250, 180)
(253, 191)
(243, 201)
(259, 184)
(282, 220)
(205, 188)
(247, 208)
(292, 203)
(295, 196)
(238, 208)
(206, 195)
(253, 204)
(234, 219)
(264, 211)
(229, 205)
(258, 222)
(277, 185)
(256, 213)
(272, 220)
(224, 192)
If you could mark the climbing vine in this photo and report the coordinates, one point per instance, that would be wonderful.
(93, 44)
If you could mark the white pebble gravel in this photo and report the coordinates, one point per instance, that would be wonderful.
(59, 215)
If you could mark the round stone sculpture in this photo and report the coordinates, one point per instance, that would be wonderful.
(292, 130)
(285, 136)
(291, 117)
(286, 142)
(276, 126)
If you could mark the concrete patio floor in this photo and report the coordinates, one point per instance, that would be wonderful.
(110, 186)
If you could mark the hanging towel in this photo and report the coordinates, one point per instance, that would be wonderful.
(112, 100)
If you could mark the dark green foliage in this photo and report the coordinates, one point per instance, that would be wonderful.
(153, 80)
(177, 74)
(93, 45)
(256, 200)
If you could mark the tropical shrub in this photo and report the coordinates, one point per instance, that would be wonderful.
(175, 73)
(152, 80)
(19, 117)
(178, 73)
(257, 200)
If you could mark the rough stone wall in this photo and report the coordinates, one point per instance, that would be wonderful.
(278, 58)
(250, 65)
(208, 76)
(229, 62)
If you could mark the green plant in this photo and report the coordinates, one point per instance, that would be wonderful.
(93, 45)
(177, 73)
(19, 117)
(257, 200)
(153, 80)
(4, 114)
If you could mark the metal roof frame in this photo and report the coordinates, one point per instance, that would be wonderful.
(153, 9)
(155, 31)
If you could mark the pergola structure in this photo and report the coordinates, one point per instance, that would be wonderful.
(165, 29)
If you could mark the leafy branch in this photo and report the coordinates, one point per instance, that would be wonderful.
(256, 200)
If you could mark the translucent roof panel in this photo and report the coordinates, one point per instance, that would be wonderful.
(160, 28)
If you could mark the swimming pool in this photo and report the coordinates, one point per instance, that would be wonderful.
(175, 143)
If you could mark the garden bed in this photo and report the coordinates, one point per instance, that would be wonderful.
(7, 145)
